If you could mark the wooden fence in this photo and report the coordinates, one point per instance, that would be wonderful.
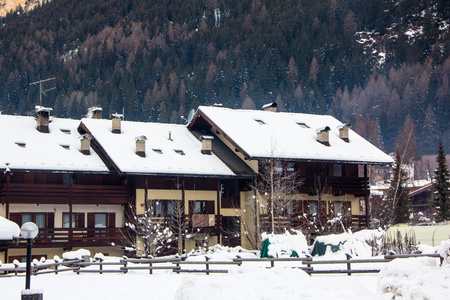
(177, 265)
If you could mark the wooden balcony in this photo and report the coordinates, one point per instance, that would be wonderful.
(62, 194)
(357, 186)
(78, 237)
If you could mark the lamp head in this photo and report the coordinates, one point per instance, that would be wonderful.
(29, 230)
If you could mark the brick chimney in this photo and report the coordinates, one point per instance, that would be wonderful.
(343, 131)
(116, 122)
(42, 118)
(86, 144)
(270, 107)
(323, 135)
(206, 144)
(95, 112)
(140, 145)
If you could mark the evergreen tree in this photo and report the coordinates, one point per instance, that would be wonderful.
(397, 198)
(442, 186)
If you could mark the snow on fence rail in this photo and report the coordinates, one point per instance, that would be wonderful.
(175, 264)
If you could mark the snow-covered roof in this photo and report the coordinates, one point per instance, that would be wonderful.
(170, 149)
(25, 148)
(8, 230)
(265, 134)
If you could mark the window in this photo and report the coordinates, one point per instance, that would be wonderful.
(290, 167)
(66, 131)
(229, 192)
(159, 151)
(337, 170)
(100, 220)
(313, 207)
(42, 220)
(162, 208)
(66, 147)
(338, 209)
(200, 207)
(278, 167)
(260, 122)
(231, 227)
(67, 178)
(180, 152)
(21, 145)
(302, 125)
(66, 220)
(77, 220)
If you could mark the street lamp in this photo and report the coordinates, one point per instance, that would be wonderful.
(29, 231)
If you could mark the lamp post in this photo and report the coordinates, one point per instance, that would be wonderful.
(29, 231)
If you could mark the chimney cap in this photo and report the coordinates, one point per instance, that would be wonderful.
(343, 125)
(86, 136)
(141, 138)
(206, 137)
(326, 128)
(272, 104)
(117, 116)
(39, 108)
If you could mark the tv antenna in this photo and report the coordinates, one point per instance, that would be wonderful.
(41, 90)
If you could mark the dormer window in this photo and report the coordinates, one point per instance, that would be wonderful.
(67, 147)
(180, 152)
(260, 122)
(21, 145)
(159, 151)
(66, 131)
(302, 125)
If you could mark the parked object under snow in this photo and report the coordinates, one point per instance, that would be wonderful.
(284, 245)
(356, 244)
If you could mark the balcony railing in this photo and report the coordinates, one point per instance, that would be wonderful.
(59, 193)
(79, 237)
(310, 224)
(335, 185)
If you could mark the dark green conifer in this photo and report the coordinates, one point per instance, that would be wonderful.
(442, 186)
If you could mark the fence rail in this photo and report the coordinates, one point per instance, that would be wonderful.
(177, 265)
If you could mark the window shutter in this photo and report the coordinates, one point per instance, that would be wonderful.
(16, 217)
(191, 207)
(80, 220)
(111, 220)
(50, 220)
(91, 220)
(210, 207)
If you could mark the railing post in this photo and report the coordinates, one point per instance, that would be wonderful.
(207, 265)
(348, 263)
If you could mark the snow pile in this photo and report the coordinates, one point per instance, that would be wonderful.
(76, 254)
(283, 245)
(8, 230)
(220, 253)
(444, 251)
(414, 278)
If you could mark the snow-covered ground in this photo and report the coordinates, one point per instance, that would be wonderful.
(412, 278)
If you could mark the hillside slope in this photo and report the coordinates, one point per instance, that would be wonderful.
(376, 64)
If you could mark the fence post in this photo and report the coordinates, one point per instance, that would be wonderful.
(150, 265)
(207, 265)
(348, 263)
(272, 262)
